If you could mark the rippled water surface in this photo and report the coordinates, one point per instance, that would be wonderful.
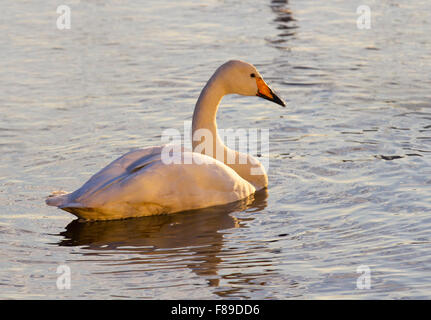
(349, 162)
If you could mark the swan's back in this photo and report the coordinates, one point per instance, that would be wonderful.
(140, 184)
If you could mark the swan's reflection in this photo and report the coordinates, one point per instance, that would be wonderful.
(192, 237)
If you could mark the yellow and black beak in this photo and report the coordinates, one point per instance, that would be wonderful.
(265, 92)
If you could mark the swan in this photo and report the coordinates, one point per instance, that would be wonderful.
(144, 183)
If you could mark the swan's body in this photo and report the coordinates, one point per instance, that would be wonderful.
(142, 182)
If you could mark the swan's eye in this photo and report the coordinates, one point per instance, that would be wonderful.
(252, 75)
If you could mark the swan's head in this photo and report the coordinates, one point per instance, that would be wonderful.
(243, 78)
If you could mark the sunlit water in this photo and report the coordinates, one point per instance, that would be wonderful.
(349, 162)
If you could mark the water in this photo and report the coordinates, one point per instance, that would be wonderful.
(349, 175)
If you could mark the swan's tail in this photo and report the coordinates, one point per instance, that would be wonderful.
(57, 198)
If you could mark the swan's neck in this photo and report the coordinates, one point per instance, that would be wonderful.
(204, 118)
(205, 138)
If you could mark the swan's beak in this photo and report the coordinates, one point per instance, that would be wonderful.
(265, 92)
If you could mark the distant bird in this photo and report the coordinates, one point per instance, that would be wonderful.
(143, 183)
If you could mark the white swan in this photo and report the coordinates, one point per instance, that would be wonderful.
(142, 183)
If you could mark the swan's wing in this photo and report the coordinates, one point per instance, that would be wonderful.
(115, 170)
